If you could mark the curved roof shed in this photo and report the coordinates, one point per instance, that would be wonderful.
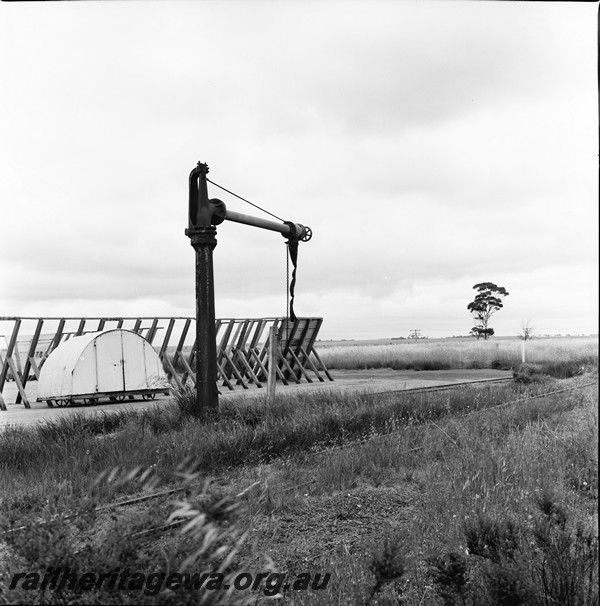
(106, 362)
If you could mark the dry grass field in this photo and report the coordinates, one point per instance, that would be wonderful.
(439, 354)
(484, 494)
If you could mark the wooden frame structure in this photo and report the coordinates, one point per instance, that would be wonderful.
(242, 348)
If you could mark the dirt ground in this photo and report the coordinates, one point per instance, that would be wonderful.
(376, 380)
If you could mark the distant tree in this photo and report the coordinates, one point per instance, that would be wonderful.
(478, 331)
(486, 303)
(526, 331)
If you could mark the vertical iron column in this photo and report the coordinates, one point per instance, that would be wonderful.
(202, 232)
(207, 395)
(204, 215)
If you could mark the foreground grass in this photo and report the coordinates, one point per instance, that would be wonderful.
(63, 455)
(564, 355)
(499, 508)
(463, 506)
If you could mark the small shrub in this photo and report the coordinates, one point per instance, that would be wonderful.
(500, 364)
(185, 398)
(563, 369)
(449, 575)
(507, 585)
(529, 373)
(492, 539)
(549, 561)
(567, 572)
(387, 564)
(552, 511)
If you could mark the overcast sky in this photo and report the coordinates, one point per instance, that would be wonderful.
(429, 146)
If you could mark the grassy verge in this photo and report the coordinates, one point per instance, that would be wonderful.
(441, 502)
(491, 508)
(63, 455)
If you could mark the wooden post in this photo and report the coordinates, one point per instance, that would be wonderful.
(273, 359)
(30, 356)
(4, 365)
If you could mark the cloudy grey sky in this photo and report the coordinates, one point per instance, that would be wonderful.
(429, 146)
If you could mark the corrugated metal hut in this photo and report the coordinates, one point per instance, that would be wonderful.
(111, 363)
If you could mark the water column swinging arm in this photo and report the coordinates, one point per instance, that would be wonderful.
(293, 231)
(204, 215)
(205, 211)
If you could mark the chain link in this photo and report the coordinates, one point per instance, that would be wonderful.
(287, 282)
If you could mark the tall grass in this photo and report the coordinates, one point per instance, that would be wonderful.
(65, 453)
(514, 486)
(106, 546)
(441, 355)
(499, 508)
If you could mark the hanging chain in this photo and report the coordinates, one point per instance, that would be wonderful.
(287, 253)
(287, 282)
